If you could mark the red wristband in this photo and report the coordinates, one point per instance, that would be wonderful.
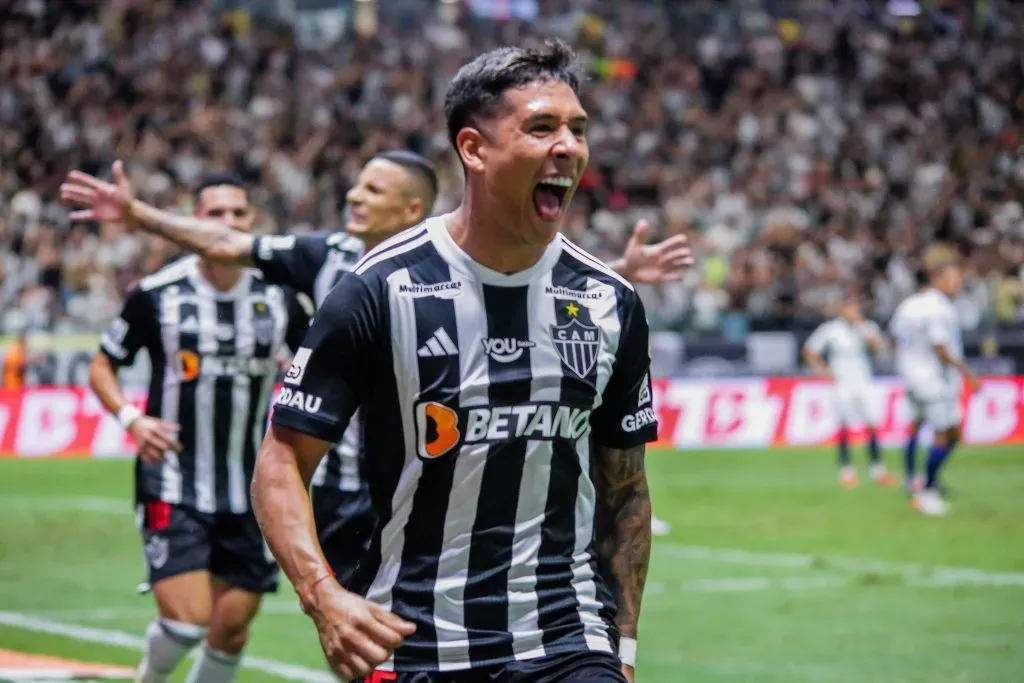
(305, 594)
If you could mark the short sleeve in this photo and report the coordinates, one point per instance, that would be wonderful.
(292, 260)
(335, 362)
(135, 328)
(818, 341)
(626, 417)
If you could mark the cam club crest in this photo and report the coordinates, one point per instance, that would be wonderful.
(577, 344)
(157, 551)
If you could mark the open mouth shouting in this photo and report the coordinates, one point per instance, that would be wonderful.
(550, 195)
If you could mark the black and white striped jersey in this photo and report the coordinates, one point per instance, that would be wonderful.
(483, 397)
(313, 264)
(215, 359)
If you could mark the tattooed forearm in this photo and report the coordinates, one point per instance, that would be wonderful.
(210, 239)
(624, 528)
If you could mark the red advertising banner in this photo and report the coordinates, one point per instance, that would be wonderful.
(783, 411)
(693, 413)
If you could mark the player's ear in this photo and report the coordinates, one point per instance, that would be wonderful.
(415, 210)
(472, 148)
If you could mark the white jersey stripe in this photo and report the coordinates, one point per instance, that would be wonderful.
(453, 564)
(392, 536)
(206, 409)
(170, 318)
(241, 388)
(523, 613)
(595, 630)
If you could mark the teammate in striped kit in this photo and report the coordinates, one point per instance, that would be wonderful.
(394, 191)
(214, 336)
(505, 373)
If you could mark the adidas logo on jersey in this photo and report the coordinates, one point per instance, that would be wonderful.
(506, 349)
(439, 344)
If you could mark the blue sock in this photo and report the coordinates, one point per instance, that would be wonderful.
(936, 457)
(844, 448)
(873, 452)
(910, 455)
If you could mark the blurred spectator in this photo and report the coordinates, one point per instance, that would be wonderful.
(806, 148)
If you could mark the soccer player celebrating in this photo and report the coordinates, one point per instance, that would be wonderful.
(845, 341)
(213, 335)
(930, 357)
(394, 191)
(503, 378)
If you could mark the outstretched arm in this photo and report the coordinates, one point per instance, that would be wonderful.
(624, 532)
(99, 200)
(652, 264)
(212, 240)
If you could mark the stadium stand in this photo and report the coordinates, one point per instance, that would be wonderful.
(802, 146)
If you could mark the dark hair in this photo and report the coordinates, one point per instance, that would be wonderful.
(216, 180)
(418, 165)
(477, 88)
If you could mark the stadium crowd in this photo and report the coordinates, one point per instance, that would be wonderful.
(803, 147)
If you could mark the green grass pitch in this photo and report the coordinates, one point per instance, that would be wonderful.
(772, 573)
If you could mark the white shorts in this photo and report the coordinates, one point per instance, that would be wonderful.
(936, 402)
(856, 403)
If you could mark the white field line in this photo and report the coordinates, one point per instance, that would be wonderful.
(86, 634)
(917, 574)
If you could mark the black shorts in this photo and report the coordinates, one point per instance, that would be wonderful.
(572, 667)
(230, 546)
(345, 522)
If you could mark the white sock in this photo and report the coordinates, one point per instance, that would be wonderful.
(213, 666)
(167, 643)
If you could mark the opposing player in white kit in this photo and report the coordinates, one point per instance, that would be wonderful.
(901, 317)
(844, 342)
(930, 359)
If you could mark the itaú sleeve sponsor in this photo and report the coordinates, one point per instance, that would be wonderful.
(735, 413)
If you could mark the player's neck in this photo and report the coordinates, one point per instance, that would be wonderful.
(223, 278)
(371, 241)
(478, 234)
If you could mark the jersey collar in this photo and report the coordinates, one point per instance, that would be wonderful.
(462, 262)
(204, 286)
